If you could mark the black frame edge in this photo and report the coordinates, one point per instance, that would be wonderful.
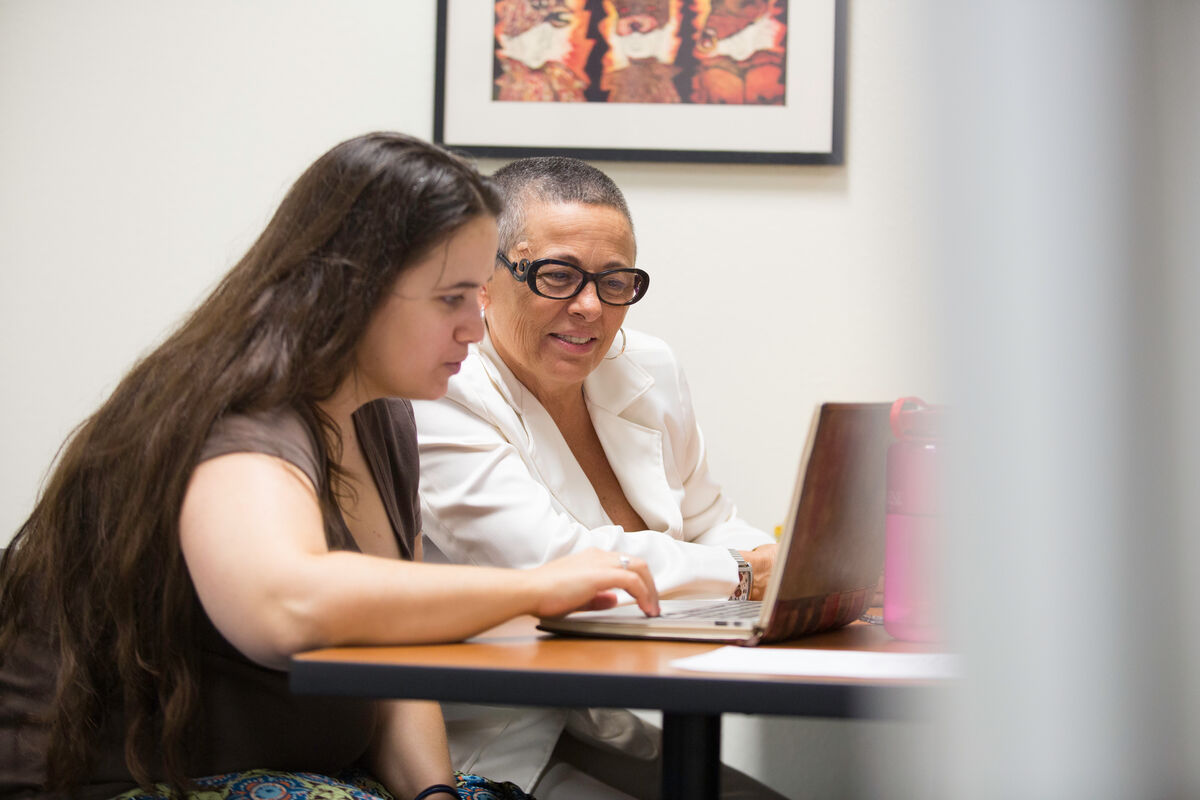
(835, 156)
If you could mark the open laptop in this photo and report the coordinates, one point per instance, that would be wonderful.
(830, 554)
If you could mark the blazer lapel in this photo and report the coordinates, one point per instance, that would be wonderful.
(634, 451)
(545, 450)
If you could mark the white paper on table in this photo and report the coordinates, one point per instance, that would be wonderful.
(823, 663)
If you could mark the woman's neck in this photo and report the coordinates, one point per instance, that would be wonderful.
(556, 398)
(340, 407)
(564, 399)
(362, 507)
(564, 404)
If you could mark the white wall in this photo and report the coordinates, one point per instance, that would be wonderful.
(144, 144)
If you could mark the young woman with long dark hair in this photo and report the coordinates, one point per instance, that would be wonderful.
(248, 492)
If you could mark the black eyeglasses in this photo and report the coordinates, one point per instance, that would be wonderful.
(558, 280)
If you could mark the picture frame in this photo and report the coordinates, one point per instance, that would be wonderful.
(492, 99)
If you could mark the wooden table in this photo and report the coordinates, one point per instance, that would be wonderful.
(514, 664)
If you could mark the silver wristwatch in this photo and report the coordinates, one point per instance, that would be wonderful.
(745, 577)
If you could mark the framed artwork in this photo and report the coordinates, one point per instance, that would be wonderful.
(735, 81)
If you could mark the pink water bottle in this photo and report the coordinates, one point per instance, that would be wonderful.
(910, 573)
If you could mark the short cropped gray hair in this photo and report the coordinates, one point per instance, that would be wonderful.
(550, 179)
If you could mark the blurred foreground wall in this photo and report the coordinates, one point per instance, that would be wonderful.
(1068, 200)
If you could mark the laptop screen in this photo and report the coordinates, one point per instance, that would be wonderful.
(833, 542)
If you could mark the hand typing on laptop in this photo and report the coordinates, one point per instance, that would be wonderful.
(575, 591)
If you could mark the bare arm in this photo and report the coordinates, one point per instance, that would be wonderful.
(409, 751)
(254, 543)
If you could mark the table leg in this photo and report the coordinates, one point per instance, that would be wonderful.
(691, 761)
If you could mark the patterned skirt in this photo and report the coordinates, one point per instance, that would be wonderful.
(355, 784)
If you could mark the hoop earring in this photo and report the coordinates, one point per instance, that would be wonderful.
(624, 341)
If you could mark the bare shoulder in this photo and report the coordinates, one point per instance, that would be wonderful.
(238, 472)
(239, 498)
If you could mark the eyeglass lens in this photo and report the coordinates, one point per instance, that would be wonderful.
(559, 281)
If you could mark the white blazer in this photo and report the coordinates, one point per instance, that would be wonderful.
(500, 487)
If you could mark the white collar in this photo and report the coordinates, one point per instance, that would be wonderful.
(613, 385)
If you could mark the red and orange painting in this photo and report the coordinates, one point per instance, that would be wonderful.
(542, 49)
(641, 51)
(642, 39)
(739, 52)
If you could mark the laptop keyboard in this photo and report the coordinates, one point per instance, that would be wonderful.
(733, 609)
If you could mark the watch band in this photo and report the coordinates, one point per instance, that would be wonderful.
(745, 577)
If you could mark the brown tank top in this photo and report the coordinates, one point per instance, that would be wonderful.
(249, 719)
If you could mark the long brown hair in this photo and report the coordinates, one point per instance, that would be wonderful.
(97, 566)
